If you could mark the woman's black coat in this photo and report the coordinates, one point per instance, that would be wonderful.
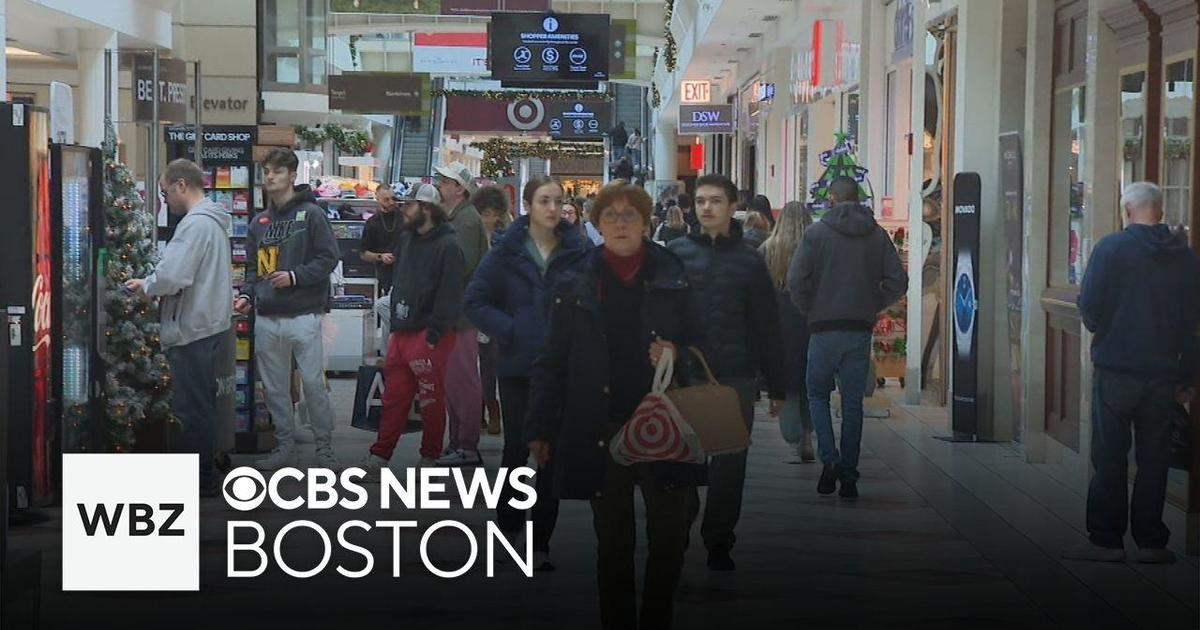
(568, 404)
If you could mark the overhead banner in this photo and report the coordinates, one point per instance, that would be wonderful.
(397, 93)
(553, 48)
(964, 410)
(171, 86)
(458, 54)
(701, 119)
(474, 8)
(622, 47)
(468, 114)
(578, 120)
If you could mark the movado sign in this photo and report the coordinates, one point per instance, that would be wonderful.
(699, 119)
(964, 410)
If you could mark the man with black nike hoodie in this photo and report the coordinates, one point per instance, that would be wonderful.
(735, 299)
(1141, 298)
(290, 252)
(427, 295)
(844, 273)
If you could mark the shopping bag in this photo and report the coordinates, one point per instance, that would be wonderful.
(714, 412)
(656, 432)
(368, 399)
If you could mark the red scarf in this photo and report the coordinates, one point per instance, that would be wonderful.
(626, 268)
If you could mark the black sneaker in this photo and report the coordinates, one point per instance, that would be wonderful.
(828, 481)
(720, 561)
(849, 490)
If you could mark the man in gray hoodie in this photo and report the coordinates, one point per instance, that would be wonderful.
(290, 251)
(194, 284)
(844, 273)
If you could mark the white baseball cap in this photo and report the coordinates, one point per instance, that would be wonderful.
(424, 192)
(458, 172)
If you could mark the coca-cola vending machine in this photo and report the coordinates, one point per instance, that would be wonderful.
(51, 249)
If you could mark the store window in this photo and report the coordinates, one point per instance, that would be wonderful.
(1179, 95)
(294, 45)
(1133, 127)
(1069, 205)
(1068, 149)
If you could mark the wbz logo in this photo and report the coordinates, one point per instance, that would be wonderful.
(131, 523)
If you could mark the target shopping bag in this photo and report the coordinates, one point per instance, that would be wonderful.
(657, 432)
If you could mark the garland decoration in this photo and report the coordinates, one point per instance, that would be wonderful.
(499, 154)
(519, 95)
(348, 140)
(655, 97)
(670, 47)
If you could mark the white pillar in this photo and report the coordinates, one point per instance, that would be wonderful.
(873, 92)
(4, 60)
(664, 151)
(89, 102)
(915, 339)
(1039, 72)
(976, 149)
(1100, 169)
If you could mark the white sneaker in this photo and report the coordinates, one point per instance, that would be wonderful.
(372, 465)
(461, 457)
(281, 457)
(327, 459)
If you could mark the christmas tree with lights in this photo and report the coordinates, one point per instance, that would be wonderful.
(137, 380)
(838, 162)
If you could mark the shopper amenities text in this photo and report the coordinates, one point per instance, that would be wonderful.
(246, 489)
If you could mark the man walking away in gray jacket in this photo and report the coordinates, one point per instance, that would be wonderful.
(844, 273)
(194, 283)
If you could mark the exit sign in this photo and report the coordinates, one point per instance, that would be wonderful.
(696, 91)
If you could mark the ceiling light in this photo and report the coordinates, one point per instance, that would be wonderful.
(13, 51)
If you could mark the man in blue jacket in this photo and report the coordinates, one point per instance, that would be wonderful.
(1141, 299)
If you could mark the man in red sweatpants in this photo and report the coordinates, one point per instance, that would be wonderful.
(425, 306)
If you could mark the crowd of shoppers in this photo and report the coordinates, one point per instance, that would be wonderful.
(568, 332)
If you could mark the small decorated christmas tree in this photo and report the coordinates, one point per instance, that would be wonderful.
(137, 379)
(838, 161)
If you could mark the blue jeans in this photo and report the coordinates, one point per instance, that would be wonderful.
(846, 355)
(795, 419)
(1119, 402)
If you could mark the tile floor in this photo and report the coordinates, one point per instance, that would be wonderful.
(944, 536)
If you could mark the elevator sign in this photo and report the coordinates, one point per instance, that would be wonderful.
(696, 92)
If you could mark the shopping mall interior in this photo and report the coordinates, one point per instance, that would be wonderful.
(1002, 133)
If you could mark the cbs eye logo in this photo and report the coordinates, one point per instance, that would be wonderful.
(245, 489)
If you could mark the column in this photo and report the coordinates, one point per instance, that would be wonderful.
(915, 339)
(1100, 169)
(1039, 72)
(4, 61)
(665, 151)
(89, 102)
(873, 94)
(976, 149)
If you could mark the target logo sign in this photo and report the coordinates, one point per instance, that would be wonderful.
(526, 114)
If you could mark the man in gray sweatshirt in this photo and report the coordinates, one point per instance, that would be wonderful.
(844, 273)
(194, 284)
(290, 251)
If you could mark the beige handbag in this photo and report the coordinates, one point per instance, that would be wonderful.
(714, 412)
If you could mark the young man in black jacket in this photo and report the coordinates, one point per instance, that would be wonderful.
(1141, 298)
(844, 273)
(427, 295)
(735, 300)
(290, 252)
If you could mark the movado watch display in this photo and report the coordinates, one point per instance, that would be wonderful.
(965, 304)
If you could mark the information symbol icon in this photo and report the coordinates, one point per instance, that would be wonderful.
(550, 55)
